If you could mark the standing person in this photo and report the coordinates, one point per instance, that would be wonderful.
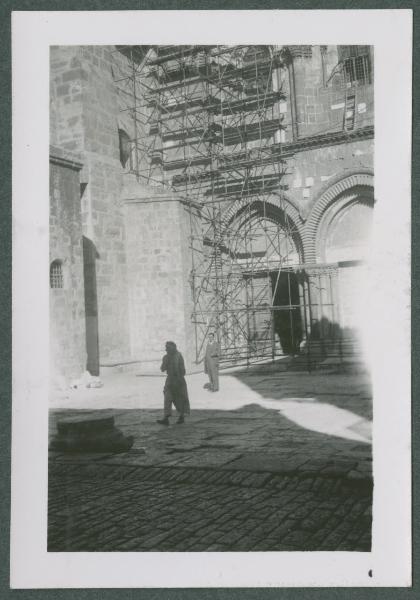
(175, 389)
(211, 362)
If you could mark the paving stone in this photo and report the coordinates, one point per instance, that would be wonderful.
(357, 475)
(332, 540)
(309, 524)
(215, 548)
(190, 490)
(273, 464)
(217, 512)
(297, 538)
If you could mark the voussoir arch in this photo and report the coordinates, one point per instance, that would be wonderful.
(350, 186)
(274, 205)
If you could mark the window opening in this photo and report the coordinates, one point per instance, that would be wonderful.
(357, 70)
(56, 275)
(125, 148)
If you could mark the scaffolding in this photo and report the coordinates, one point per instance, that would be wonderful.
(207, 122)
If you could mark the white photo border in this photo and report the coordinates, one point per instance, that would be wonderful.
(390, 32)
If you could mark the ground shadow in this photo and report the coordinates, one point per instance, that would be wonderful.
(245, 479)
(351, 392)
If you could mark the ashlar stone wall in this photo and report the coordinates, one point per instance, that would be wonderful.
(158, 267)
(84, 118)
(67, 304)
(142, 248)
(310, 171)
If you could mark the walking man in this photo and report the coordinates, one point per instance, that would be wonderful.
(211, 362)
(175, 390)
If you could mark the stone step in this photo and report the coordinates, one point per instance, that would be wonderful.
(81, 426)
(90, 434)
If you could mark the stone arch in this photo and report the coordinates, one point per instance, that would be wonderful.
(263, 236)
(262, 82)
(346, 219)
(340, 193)
(277, 208)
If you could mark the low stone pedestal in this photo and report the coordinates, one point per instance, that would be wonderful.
(89, 434)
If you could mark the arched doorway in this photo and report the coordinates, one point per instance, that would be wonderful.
(344, 239)
(267, 247)
(243, 281)
(90, 255)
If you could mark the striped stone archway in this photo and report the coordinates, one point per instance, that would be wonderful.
(343, 190)
(276, 206)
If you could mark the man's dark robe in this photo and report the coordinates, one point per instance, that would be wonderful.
(175, 390)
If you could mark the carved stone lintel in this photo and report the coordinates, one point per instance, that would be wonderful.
(323, 270)
(319, 269)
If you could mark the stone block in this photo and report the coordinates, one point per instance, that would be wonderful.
(92, 434)
(63, 90)
(72, 75)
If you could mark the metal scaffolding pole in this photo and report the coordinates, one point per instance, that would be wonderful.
(209, 120)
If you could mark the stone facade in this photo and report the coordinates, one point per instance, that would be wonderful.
(140, 229)
(67, 303)
(158, 267)
(141, 271)
(85, 113)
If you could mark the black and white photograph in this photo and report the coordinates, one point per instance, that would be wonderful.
(210, 236)
(211, 211)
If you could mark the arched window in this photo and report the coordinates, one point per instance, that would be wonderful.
(56, 274)
(356, 64)
(257, 70)
(125, 148)
(348, 235)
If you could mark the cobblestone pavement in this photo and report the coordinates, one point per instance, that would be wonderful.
(271, 462)
(120, 508)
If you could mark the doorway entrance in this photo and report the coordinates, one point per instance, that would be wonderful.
(274, 314)
(287, 312)
(90, 255)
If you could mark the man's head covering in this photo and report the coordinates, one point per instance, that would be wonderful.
(170, 346)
